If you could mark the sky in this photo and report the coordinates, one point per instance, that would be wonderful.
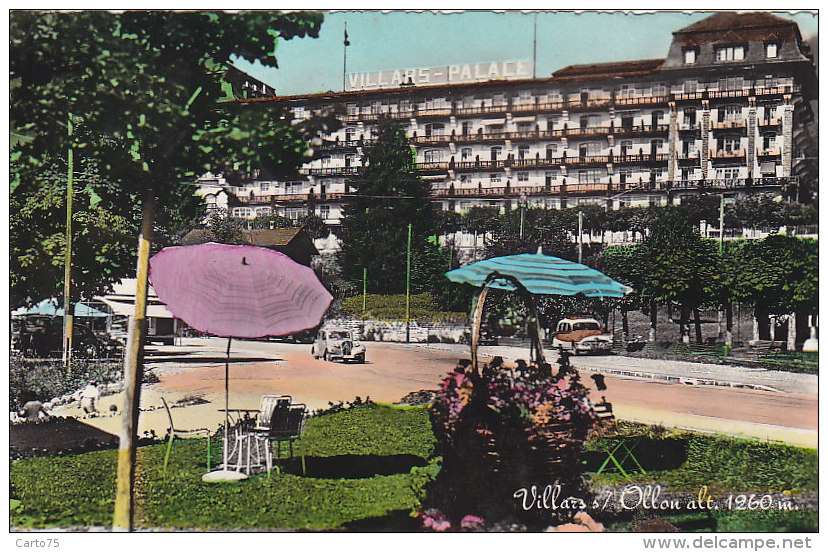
(402, 40)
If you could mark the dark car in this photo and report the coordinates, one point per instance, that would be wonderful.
(43, 337)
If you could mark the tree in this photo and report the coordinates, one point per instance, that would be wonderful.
(776, 275)
(141, 89)
(374, 229)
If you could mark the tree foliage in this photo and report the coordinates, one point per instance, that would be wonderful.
(143, 91)
(374, 230)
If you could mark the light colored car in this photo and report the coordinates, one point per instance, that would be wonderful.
(581, 335)
(338, 344)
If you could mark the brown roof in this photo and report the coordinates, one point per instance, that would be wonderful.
(735, 21)
(276, 236)
(612, 69)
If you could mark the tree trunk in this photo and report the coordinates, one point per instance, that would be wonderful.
(133, 368)
(653, 321)
(729, 324)
(625, 325)
(699, 338)
(683, 324)
(792, 332)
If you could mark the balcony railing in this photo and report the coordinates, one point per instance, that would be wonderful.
(332, 171)
(771, 121)
(769, 152)
(723, 125)
(727, 154)
(641, 129)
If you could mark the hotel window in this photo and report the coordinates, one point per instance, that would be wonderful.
(769, 140)
(771, 50)
(263, 211)
(524, 128)
(626, 91)
(691, 86)
(551, 151)
(659, 89)
(496, 152)
(626, 147)
(768, 168)
(731, 143)
(731, 83)
(264, 187)
(525, 96)
(494, 178)
(689, 56)
(523, 177)
(730, 53)
(499, 99)
(730, 113)
(466, 128)
(434, 129)
(728, 173)
(433, 156)
(324, 212)
(352, 109)
(466, 154)
(523, 151)
(464, 179)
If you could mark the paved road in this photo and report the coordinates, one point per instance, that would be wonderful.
(726, 399)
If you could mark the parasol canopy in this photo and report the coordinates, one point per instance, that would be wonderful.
(238, 290)
(539, 274)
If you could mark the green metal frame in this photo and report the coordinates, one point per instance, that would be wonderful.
(622, 443)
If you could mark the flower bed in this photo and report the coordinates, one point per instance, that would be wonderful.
(502, 431)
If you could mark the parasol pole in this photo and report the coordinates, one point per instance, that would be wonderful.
(226, 402)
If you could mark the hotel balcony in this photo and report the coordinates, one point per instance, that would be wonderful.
(332, 171)
(769, 152)
(640, 129)
(737, 124)
(635, 101)
(769, 122)
(727, 154)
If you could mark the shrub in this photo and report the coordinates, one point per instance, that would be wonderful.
(511, 429)
(45, 380)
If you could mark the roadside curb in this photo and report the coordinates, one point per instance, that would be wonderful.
(681, 379)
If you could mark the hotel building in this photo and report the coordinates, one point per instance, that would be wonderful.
(730, 109)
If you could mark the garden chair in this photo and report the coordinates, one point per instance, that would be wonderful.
(172, 433)
(269, 404)
(617, 443)
(286, 424)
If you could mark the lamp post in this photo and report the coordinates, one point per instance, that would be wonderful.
(364, 289)
(408, 289)
(580, 237)
(67, 284)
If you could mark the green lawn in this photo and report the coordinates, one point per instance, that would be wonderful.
(362, 468)
(361, 464)
(423, 307)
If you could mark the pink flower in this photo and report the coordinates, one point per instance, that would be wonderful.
(435, 521)
(471, 522)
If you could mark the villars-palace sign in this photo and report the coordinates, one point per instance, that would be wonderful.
(448, 74)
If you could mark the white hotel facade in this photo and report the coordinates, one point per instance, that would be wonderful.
(728, 110)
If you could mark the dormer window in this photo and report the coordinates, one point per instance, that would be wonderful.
(690, 55)
(730, 53)
(771, 50)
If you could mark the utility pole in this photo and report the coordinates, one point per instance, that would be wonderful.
(68, 311)
(408, 289)
(364, 289)
(345, 43)
(721, 224)
(535, 48)
(580, 236)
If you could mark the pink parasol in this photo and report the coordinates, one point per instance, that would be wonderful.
(237, 291)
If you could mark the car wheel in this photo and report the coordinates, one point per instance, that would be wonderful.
(326, 356)
(88, 349)
(360, 359)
